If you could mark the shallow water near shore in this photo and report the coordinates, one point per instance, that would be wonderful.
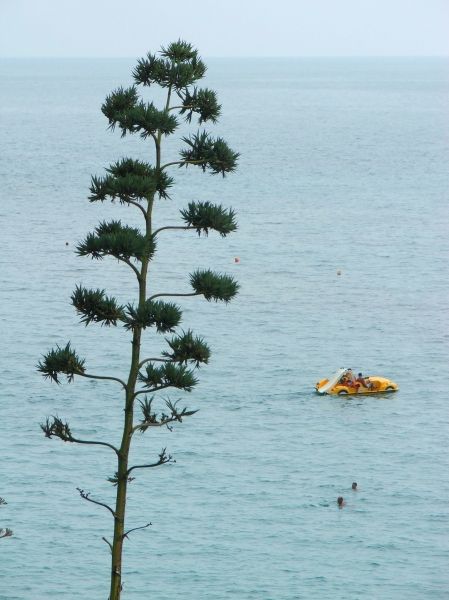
(343, 168)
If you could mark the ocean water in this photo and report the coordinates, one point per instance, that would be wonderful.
(343, 168)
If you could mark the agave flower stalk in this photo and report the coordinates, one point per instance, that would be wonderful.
(140, 185)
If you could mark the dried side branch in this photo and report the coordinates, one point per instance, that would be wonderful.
(86, 496)
(125, 535)
(108, 543)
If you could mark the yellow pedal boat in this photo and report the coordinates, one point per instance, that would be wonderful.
(344, 382)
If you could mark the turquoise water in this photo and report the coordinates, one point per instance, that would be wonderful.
(343, 167)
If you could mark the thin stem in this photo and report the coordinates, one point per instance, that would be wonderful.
(107, 542)
(155, 140)
(184, 162)
(85, 496)
(146, 425)
(180, 107)
(129, 263)
(156, 464)
(138, 206)
(163, 294)
(104, 378)
(163, 459)
(172, 227)
(167, 104)
(151, 390)
(154, 360)
(125, 535)
(94, 443)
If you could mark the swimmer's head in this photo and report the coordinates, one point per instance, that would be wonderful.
(340, 500)
(354, 485)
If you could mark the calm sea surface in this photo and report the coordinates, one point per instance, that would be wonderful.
(343, 167)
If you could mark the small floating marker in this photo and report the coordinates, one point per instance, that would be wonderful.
(67, 243)
(338, 272)
(236, 259)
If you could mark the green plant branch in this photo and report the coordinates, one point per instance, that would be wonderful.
(180, 107)
(138, 206)
(155, 140)
(167, 104)
(146, 425)
(184, 162)
(129, 263)
(154, 360)
(62, 431)
(150, 390)
(163, 459)
(103, 377)
(177, 295)
(172, 227)
(93, 443)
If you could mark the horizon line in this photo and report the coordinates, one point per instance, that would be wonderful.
(243, 56)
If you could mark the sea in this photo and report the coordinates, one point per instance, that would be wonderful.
(341, 197)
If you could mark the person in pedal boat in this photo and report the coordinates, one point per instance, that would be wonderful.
(351, 381)
(365, 382)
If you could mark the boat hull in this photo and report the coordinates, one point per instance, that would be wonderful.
(380, 385)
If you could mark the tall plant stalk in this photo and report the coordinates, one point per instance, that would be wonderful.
(139, 185)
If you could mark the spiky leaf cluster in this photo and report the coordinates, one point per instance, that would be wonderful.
(124, 109)
(95, 306)
(214, 286)
(168, 375)
(147, 120)
(115, 479)
(117, 240)
(179, 51)
(149, 417)
(117, 105)
(203, 102)
(130, 180)
(204, 216)
(57, 428)
(209, 153)
(63, 361)
(188, 348)
(165, 316)
(178, 66)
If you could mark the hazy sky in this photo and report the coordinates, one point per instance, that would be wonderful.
(225, 28)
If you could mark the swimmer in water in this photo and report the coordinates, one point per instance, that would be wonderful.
(354, 486)
(341, 502)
